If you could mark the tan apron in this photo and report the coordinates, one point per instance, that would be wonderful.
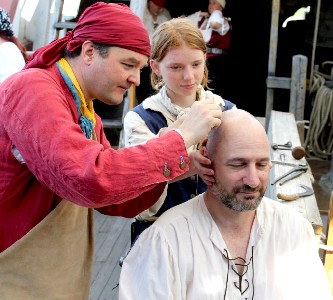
(54, 260)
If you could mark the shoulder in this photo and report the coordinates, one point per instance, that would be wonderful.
(38, 86)
(281, 214)
(179, 215)
(38, 78)
(217, 99)
(8, 46)
(149, 108)
(34, 77)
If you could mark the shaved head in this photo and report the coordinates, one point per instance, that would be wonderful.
(240, 155)
(237, 125)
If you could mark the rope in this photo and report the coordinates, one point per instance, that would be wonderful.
(319, 138)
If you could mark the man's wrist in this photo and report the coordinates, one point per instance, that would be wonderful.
(178, 130)
(186, 140)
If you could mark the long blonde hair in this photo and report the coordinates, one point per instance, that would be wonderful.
(173, 34)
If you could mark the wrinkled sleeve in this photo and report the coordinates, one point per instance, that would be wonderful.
(43, 127)
(150, 270)
(136, 132)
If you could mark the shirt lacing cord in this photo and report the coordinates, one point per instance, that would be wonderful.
(239, 284)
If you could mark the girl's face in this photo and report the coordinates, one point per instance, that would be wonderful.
(182, 70)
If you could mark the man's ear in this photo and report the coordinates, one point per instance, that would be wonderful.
(204, 151)
(155, 67)
(88, 51)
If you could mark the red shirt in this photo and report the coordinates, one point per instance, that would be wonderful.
(38, 116)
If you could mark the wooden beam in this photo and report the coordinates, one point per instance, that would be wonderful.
(273, 82)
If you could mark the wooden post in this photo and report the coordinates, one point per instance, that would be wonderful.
(272, 57)
(56, 18)
(298, 86)
(132, 97)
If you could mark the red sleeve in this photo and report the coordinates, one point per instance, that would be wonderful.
(42, 124)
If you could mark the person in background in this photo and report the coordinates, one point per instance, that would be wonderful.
(152, 13)
(180, 75)
(230, 242)
(216, 30)
(13, 55)
(56, 164)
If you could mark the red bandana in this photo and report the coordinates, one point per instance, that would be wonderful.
(160, 3)
(111, 24)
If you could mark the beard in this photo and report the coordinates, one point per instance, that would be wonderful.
(230, 200)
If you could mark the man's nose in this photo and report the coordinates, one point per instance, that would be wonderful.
(251, 177)
(135, 78)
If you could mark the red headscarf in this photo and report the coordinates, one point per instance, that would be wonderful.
(160, 3)
(111, 24)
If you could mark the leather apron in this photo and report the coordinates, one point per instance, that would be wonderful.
(53, 260)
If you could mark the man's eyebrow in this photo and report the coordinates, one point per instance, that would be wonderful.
(133, 60)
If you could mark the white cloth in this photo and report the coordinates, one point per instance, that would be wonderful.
(205, 28)
(139, 7)
(136, 131)
(11, 60)
(181, 257)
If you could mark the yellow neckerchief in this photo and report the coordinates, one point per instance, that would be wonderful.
(87, 111)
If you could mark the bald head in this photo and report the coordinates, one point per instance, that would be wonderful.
(238, 130)
(240, 155)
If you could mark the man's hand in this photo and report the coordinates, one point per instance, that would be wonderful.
(201, 165)
(202, 117)
(174, 125)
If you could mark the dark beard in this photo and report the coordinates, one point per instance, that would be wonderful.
(230, 200)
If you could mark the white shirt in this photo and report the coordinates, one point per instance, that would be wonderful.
(182, 256)
(11, 60)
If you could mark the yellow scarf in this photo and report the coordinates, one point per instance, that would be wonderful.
(87, 111)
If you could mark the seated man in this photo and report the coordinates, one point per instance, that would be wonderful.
(230, 242)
